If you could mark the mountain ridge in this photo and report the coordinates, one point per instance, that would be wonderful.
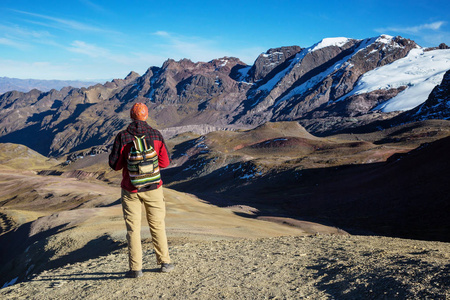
(8, 84)
(284, 84)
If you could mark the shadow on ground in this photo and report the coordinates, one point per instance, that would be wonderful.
(407, 196)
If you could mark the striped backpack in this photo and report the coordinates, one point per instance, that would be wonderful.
(142, 164)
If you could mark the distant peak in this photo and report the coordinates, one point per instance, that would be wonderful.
(171, 63)
(384, 38)
(132, 75)
(395, 41)
(229, 61)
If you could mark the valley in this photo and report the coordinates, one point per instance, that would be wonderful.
(374, 183)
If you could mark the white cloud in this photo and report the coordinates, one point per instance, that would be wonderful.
(14, 44)
(433, 26)
(22, 38)
(101, 54)
(89, 60)
(429, 34)
(58, 23)
(23, 33)
(414, 29)
(98, 57)
(162, 33)
(88, 49)
(94, 6)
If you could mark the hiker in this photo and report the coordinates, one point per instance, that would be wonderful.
(140, 151)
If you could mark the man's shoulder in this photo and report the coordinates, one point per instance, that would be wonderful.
(122, 133)
(124, 137)
(153, 133)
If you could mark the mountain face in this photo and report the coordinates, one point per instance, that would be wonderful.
(320, 74)
(57, 122)
(24, 85)
(326, 87)
(269, 62)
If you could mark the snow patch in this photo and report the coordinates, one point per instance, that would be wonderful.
(224, 62)
(338, 41)
(152, 85)
(9, 283)
(243, 73)
(385, 39)
(245, 173)
(419, 71)
(250, 176)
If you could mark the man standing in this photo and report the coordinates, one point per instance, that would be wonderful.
(140, 151)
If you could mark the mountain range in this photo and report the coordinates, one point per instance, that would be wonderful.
(336, 84)
(25, 85)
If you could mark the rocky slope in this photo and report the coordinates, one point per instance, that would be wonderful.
(19, 157)
(61, 121)
(311, 85)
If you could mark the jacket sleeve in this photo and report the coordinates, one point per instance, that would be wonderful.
(163, 154)
(115, 157)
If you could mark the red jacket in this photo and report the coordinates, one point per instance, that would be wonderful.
(121, 149)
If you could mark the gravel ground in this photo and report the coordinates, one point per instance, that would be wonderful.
(308, 267)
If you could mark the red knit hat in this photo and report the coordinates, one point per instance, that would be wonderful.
(139, 111)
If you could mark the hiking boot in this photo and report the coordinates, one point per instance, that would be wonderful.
(166, 267)
(133, 274)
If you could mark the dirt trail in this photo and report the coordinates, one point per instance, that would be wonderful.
(314, 267)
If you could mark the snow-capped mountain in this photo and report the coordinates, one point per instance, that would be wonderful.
(334, 84)
(420, 71)
(331, 71)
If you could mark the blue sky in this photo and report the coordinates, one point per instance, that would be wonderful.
(97, 39)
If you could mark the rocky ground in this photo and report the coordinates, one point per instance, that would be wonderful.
(296, 267)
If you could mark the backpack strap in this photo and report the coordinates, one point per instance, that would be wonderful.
(140, 144)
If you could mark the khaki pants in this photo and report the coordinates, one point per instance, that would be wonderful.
(155, 209)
